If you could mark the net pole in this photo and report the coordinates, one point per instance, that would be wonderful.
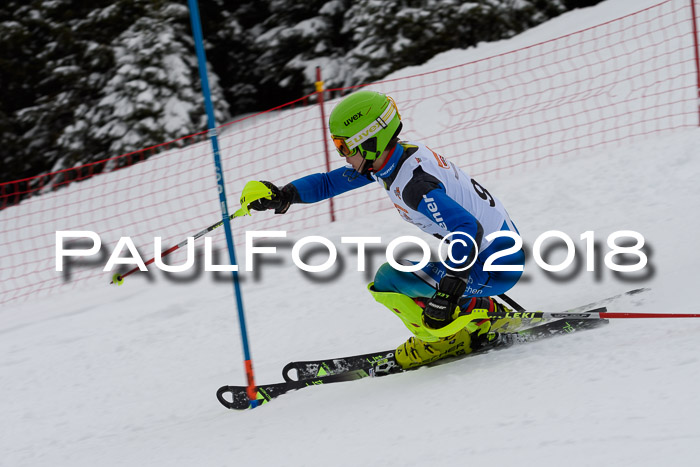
(319, 92)
(694, 14)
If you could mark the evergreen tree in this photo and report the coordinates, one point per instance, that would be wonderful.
(287, 42)
(91, 80)
(41, 65)
(388, 36)
(229, 29)
(151, 95)
(85, 80)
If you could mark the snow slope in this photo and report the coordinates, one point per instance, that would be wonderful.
(127, 376)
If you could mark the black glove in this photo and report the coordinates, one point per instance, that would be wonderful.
(439, 309)
(281, 199)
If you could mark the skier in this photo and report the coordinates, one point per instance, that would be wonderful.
(439, 198)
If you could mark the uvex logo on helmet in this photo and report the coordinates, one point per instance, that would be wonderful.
(353, 118)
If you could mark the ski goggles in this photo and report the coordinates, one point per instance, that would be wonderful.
(342, 147)
(347, 147)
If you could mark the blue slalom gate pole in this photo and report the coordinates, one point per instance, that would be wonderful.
(211, 125)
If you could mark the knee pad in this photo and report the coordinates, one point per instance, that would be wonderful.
(407, 310)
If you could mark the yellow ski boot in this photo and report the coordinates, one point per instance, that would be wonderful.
(415, 352)
(427, 345)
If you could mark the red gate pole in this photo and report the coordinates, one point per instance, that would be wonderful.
(319, 92)
(697, 50)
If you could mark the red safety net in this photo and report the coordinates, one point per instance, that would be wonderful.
(619, 81)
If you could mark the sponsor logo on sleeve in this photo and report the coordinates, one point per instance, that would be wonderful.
(434, 210)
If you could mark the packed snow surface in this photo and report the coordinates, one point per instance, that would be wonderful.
(123, 376)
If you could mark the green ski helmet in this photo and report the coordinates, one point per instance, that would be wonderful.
(364, 122)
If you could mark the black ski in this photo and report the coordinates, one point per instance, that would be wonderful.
(297, 371)
(382, 363)
(237, 397)
(318, 368)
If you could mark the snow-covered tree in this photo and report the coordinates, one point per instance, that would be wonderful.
(152, 94)
(294, 39)
(41, 68)
(229, 29)
(84, 80)
(387, 36)
(96, 79)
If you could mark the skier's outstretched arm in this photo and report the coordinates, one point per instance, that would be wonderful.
(309, 189)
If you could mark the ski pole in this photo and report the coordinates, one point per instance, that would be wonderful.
(513, 304)
(119, 279)
(252, 191)
(597, 313)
